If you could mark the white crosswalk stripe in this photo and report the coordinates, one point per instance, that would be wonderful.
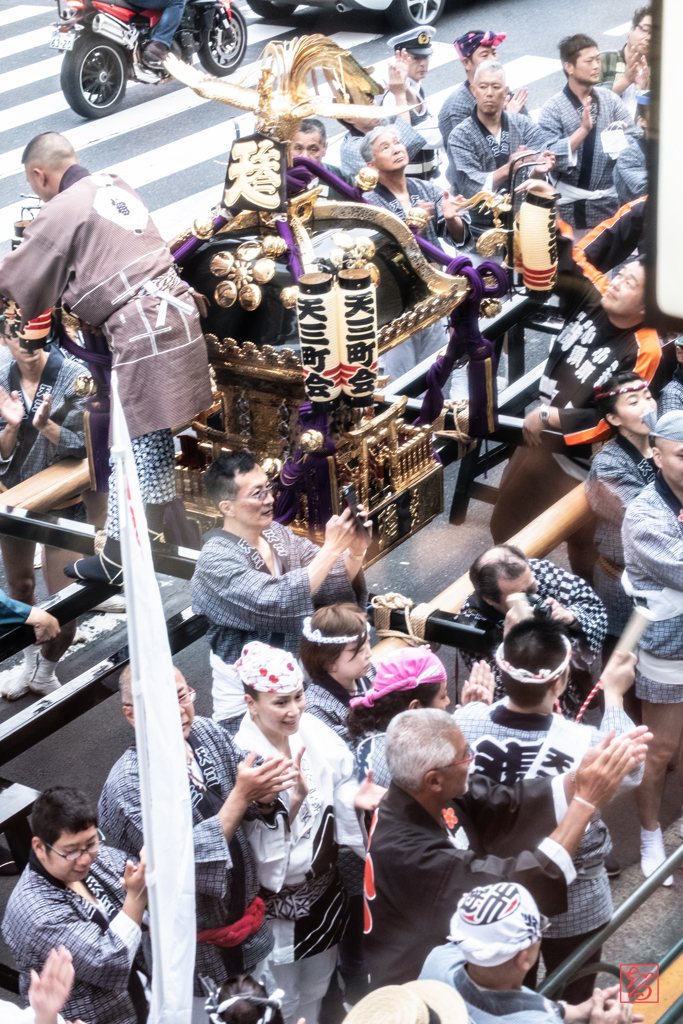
(169, 142)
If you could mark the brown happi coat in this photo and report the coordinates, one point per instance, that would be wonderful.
(94, 246)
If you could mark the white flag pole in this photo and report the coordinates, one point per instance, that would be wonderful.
(164, 787)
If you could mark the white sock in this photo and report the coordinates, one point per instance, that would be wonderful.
(45, 672)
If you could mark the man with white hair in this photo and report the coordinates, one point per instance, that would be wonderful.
(494, 941)
(383, 149)
(652, 534)
(435, 836)
(482, 148)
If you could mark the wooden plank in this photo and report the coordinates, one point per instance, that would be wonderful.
(50, 487)
(670, 988)
(536, 540)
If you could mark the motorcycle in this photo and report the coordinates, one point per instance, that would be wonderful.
(103, 44)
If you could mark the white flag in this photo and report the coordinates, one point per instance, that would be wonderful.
(164, 786)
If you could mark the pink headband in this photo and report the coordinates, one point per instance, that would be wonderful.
(268, 669)
(403, 670)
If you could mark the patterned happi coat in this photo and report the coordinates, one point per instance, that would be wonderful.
(511, 746)
(95, 247)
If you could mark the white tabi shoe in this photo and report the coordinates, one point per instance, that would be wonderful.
(44, 680)
(652, 853)
(18, 685)
(114, 605)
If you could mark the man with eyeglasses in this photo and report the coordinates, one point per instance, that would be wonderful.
(631, 72)
(603, 334)
(257, 580)
(226, 787)
(437, 833)
(88, 898)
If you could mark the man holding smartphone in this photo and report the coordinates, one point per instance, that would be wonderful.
(257, 580)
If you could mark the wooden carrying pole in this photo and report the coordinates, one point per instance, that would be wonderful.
(50, 487)
(536, 540)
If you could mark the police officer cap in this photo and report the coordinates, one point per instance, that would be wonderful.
(416, 40)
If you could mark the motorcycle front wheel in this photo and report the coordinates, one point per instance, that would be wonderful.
(94, 76)
(224, 45)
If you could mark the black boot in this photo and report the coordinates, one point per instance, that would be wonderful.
(105, 567)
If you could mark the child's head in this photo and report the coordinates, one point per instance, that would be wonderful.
(243, 1001)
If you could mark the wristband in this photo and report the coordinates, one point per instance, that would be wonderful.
(544, 414)
(585, 802)
(354, 558)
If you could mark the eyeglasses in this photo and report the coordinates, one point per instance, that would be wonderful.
(645, 29)
(471, 754)
(94, 848)
(263, 494)
(184, 699)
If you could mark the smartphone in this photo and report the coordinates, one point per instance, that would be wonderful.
(349, 496)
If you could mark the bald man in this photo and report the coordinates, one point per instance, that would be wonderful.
(225, 789)
(94, 246)
(652, 534)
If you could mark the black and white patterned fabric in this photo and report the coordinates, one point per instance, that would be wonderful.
(630, 172)
(327, 700)
(473, 156)
(559, 118)
(154, 456)
(219, 882)
(652, 536)
(507, 744)
(67, 412)
(457, 106)
(370, 756)
(419, 191)
(244, 603)
(618, 474)
(568, 590)
(41, 916)
(671, 397)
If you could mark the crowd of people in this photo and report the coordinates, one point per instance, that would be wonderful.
(359, 843)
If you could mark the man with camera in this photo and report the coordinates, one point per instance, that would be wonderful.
(554, 594)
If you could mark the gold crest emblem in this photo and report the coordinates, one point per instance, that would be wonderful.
(423, 38)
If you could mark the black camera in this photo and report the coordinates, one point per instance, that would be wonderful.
(539, 606)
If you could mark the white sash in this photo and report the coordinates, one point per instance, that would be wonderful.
(564, 737)
(661, 670)
(562, 747)
(664, 604)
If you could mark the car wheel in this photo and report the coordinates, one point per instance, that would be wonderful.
(267, 9)
(403, 14)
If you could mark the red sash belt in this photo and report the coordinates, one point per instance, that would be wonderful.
(237, 932)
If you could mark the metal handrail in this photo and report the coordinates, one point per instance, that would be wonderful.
(556, 981)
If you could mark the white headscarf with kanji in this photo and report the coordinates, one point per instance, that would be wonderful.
(268, 669)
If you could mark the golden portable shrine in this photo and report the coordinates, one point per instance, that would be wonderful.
(303, 295)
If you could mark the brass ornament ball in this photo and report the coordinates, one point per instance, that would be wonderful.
(311, 441)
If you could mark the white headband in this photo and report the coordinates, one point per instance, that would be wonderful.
(270, 1004)
(522, 675)
(316, 637)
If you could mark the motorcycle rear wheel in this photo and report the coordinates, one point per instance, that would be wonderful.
(218, 55)
(94, 76)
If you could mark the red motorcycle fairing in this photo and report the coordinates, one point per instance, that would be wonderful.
(125, 14)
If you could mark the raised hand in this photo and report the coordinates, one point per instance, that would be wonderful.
(480, 686)
(40, 420)
(368, 794)
(586, 115)
(545, 163)
(603, 768)
(515, 104)
(262, 784)
(451, 206)
(359, 543)
(299, 791)
(397, 75)
(340, 531)
(50, 990)
(11, 408)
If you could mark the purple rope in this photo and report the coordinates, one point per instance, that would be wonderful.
(293, 263)
(466, 339)
(307, 472)
(190, 247)
(350, 192)
(95, 352)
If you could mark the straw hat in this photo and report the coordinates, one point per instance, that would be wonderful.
(410, 1004)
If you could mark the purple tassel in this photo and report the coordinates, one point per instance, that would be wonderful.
(466, 339)
(307, 472)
